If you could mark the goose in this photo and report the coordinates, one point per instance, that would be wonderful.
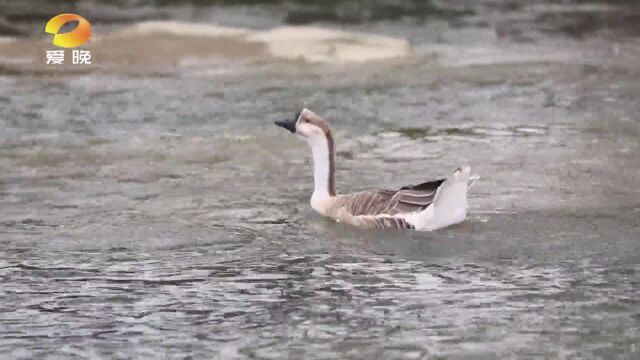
(428, 206)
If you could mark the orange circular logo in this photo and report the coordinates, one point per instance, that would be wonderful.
(75, 38)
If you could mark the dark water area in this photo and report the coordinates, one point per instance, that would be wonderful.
(149, 208)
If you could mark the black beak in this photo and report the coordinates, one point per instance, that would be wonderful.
(288, 124)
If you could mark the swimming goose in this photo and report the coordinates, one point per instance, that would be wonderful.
(428, 206)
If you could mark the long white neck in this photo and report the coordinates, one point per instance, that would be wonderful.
(323, 167)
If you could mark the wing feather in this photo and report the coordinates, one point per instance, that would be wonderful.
(392, 202)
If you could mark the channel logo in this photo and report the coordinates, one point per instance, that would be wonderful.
(78, 37)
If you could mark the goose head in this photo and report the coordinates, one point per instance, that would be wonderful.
(317, 133)
(307, 125)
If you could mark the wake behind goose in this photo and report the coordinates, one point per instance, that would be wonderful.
(424, 207)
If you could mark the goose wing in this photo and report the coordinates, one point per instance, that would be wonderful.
(391, 202)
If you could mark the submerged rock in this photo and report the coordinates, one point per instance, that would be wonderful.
(166, 46)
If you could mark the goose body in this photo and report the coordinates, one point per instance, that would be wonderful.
(424, 207)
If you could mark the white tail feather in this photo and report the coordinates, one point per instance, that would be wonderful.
(472, 180)
(450, 204)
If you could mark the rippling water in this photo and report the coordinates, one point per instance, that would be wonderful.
(161, 214)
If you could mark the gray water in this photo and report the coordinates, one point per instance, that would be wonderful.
(159, 214)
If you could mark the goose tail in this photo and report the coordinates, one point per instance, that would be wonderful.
(450, 203)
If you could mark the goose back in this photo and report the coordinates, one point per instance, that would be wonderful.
(391, 202)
